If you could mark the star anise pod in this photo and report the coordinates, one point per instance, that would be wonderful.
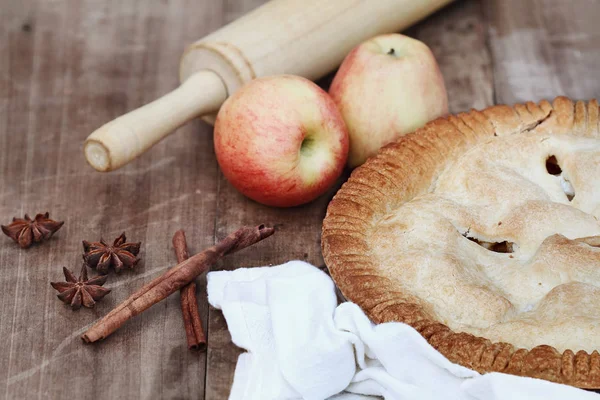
(76, 292)
(26, 231)
(101, 255)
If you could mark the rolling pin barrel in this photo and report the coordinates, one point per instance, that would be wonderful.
(302, 37)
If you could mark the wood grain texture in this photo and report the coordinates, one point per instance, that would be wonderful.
(544, 48)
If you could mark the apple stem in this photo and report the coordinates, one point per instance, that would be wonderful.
(392, 51)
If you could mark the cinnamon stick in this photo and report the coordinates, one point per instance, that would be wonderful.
(173, 280)
(192, 323)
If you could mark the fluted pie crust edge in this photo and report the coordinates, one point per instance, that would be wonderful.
(407, 168)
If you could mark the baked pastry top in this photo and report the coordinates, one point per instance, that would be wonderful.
(482, 230)
(497, 249)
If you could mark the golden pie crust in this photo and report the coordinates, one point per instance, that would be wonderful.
(449, 229)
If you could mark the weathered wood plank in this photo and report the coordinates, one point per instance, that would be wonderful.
(544, 48)
(15, 70)
(66, 68)
(456, 36)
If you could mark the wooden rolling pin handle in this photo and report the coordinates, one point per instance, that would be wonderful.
(120, 141)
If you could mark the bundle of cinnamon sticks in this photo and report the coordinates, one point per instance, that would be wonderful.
(181, 277)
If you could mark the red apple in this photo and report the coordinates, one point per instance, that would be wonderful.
(387, 87)
(281, 140)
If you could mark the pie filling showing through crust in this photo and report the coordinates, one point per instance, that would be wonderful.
(482, 230)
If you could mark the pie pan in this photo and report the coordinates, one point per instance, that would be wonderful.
(388, 279)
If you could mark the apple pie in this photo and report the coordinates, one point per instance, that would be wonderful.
(482, 231)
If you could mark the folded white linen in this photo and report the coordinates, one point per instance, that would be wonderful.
(301, 345)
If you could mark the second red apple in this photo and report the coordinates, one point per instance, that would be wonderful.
(387, 87)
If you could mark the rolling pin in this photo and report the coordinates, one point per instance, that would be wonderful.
(302, 37)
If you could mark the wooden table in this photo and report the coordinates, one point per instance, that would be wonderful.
(68, 66)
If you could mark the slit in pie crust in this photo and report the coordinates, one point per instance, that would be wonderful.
(482, 231)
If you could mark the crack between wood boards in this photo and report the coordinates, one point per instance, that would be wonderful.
(486, 12)
(208, 313)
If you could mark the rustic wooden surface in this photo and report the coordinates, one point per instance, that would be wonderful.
(68, 66)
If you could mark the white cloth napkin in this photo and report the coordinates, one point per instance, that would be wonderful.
(301, 344)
